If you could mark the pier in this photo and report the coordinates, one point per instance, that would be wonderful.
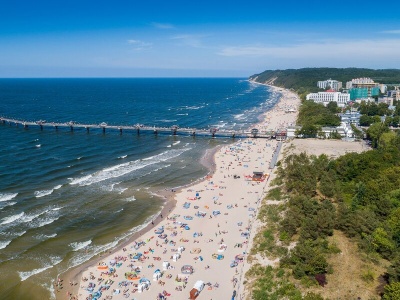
(138, 128)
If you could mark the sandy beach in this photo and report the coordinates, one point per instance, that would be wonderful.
(204, 237)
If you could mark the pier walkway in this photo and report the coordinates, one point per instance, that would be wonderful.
(138, 128)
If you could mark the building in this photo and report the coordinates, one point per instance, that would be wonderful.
(329, 96)
(364, 92)
(387, 100)
(395, 94)
(363, 88)
(332, 84)
(350, 117)
(360, 82)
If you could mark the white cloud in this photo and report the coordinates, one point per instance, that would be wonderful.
(191, 40)
(163, 25)
(140, 45)
(328, 49)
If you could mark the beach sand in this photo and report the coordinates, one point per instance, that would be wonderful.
(219, 218)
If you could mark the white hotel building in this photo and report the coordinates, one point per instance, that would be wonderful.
(325, 97)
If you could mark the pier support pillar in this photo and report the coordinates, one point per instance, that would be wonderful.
(138, 131)
(41, 127)
(87, 129)
(104, 130)
(25, 126)
(194, 133)
(155, 131)
(120, 130)
(3, 121)
(72, 128)
(233, 136)
(56, 127)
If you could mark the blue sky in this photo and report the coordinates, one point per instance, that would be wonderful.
(193, 38)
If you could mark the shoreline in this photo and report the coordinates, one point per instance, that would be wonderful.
(209, 160)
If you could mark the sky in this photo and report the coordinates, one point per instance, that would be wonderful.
(121, 38)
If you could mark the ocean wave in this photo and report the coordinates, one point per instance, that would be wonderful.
(12, 218)
(53, 261)
(167, 121)
(46, 221)
(76, 246)
(92, 251)
(122, 156)
(7, 204)
(39, 194)
(191, 107)
(126, 168)
(28, 218)
(4, 244)
(130, 199)
(43, 237)
(7, 196)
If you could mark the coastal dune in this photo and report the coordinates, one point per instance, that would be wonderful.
(207, 234)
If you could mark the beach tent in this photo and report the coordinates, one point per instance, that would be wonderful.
(157, 275)
(176, 256)
(195, 291)
(165, 265)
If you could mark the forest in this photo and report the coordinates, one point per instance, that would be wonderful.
(355, 194)
(304, 81)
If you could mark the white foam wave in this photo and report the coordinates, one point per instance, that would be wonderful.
(176, 143)
(4, 244)
(130, 199)
(47, 222)
(122, 190)
(123, 156)
(8, 204)
(57, 187)
(192, 107)
(28, 218)
(94, 250)
(7, 196)
(39, 194)
(45, 236)
(12, 218)
(79, 245)
(25, 275)
(167, 121)
(126, 168)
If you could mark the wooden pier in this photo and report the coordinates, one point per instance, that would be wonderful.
(138, 128)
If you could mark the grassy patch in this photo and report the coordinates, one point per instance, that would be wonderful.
(275, 194)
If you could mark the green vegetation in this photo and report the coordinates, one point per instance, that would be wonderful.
(316, 114)
(357, 194)
(304, 80)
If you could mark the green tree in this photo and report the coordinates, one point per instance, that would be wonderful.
(332, 107)
(365, 120)
(383, 242)
(375, 131)
(392, 291)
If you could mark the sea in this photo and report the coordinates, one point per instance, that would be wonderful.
(67, 196)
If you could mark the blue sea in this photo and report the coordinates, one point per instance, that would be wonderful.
(66, 196)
